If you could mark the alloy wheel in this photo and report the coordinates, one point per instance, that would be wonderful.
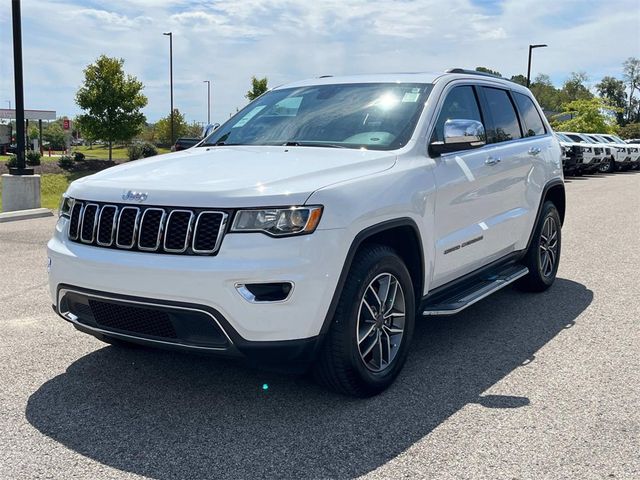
(548, 247)
(381, 321)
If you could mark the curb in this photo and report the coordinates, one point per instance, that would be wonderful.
(25, 214)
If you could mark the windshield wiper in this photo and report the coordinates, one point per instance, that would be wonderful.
(311, 144)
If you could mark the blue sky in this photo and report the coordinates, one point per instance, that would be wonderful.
(286, 40)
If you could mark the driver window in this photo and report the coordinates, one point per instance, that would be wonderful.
(460, 103)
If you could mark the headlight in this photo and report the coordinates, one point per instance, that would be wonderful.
(278, 222)
(65, 206)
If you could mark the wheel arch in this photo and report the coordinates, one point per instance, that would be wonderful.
(554, 192)
(401, 234)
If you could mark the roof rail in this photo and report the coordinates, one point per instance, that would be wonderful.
(474, 72)
(325, 76)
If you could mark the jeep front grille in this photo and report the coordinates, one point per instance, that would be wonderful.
(148, 229)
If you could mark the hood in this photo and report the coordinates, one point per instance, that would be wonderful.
(231, 176)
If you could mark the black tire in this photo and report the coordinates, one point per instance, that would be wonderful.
(540, 276)
(608, 165)
(339, 365)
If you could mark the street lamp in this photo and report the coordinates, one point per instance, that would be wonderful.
(531, 47)
(208, 82)
(20, 168)
(170, 35)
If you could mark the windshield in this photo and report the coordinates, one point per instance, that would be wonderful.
(578, 138)
(377, 116)
(563, 138)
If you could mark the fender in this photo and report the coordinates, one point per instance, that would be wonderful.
(358, 240)
(545, 191)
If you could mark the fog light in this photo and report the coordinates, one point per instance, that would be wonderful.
(265, 292)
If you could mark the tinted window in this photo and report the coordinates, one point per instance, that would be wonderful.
(460, 104)
(575, 138)
(505, 120)
(532, 122)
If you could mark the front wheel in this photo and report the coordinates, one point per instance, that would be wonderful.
(543, 256)
(371, 330)
(608, 165)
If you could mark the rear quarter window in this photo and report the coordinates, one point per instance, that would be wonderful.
(533, 124)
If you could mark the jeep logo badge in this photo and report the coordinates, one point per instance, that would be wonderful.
(135, 196)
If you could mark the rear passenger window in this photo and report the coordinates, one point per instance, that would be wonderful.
(532, 122)
(460, 104)
(505, 120)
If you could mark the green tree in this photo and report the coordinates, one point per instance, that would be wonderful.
(163, 127)
(520, 79)
(258, 87)
(631, 75)
(488, 70)
(54, 134)
(547, 95)
(630, 130)
(574, 88)
(194, 130)
(587, 116)
(112, 100)
(612, 91)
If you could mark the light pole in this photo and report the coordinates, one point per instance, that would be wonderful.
(208, 82)
(170, 35)
(531, 47)
(20, 168)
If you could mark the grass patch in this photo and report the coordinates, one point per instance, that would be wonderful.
(52, 186)
(101, 152)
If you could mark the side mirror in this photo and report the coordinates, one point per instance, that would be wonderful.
(460, 134)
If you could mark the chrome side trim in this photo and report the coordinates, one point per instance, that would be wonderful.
(135, 227)
(250, 297)
(187, 236)
(114, 224)
(74, 319)
(223, 225)
(160, 229)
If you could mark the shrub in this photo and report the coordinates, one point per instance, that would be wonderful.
(66, 162)
(134, 152)
(78, 156)
(32, 158)
(148, 150)
(12, 162)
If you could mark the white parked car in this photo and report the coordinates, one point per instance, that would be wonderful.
(318, 223)
(620, 158)
(597, 153)
(633, 148)
(579, 156)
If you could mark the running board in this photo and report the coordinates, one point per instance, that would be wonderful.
(460, 300)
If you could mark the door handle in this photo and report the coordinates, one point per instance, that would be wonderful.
(534, 151)
(492, 160)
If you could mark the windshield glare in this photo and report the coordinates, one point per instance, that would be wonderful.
(377, 116)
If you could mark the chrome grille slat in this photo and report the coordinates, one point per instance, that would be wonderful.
(173, 229)
(158, 230)
(125, 223)
(89, 222)
(106, 228)
(153, 229)
(75, 221)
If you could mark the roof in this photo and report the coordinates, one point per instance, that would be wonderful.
(402, 77)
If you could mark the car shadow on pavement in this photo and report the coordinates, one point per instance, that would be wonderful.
(165, 415)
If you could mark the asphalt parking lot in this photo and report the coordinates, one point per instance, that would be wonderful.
(519, 386)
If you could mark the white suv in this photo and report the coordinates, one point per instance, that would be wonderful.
(313, 227)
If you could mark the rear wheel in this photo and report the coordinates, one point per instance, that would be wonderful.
(370, 334)
(543, 256)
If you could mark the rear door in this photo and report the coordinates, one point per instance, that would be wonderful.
(472, 194)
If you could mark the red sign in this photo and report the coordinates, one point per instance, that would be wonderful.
(66, 124)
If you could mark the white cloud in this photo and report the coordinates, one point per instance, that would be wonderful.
(228, 41)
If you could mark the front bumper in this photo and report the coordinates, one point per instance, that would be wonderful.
(312, 263)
